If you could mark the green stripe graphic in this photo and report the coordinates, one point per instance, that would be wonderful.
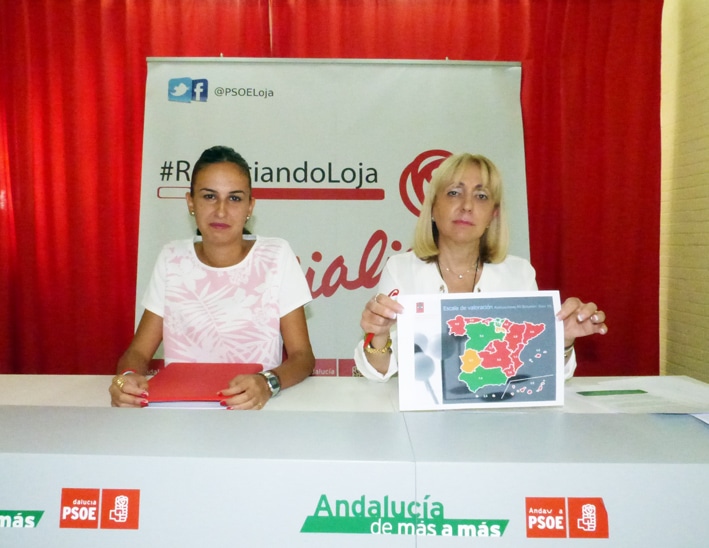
(398, 526)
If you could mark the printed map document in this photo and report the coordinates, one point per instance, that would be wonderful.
(475, 350)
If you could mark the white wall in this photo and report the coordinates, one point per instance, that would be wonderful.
(684, 243)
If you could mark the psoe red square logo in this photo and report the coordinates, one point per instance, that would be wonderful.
(588, 517)
(419, 307)
(546, 517)
(79, 509)
(120, 508)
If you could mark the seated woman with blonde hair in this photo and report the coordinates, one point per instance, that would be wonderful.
(460, 246)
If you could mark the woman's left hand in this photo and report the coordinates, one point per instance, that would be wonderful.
(246, 392)
(581, 319)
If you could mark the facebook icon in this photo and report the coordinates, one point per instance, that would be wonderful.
(186, 90)
(200, 88)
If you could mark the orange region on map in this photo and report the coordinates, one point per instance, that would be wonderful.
(493, 349)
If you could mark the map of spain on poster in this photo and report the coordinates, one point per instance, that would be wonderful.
(472, 350)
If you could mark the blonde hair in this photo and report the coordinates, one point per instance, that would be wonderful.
(495, 241)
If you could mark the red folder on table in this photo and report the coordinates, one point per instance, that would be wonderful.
(195, 382)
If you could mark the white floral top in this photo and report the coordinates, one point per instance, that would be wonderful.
(220, 315)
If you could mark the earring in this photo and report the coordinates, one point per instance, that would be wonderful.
(248, 217)
(192, 213)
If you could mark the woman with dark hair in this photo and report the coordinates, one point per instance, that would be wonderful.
(222, 297)
(460, 246)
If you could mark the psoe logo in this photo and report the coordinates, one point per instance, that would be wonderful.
(25, 519)
(186, 90)
(416, 176)
(572, 517)
(107, 508)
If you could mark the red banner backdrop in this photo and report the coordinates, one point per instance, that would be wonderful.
(71, 121)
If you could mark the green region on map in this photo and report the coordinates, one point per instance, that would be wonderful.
(480, 334)
(481, 377)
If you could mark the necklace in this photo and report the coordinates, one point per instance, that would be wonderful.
(460, 276)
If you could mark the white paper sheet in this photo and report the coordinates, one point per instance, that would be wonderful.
(661, 394)
(473, 350)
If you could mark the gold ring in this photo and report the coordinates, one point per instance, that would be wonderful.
(119, 381)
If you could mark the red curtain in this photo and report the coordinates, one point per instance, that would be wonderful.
(71, 121)
(76, 70)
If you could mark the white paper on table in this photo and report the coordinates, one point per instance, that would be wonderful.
(644, 394)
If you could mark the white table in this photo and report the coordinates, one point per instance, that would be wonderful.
(673, 394)
(192, 477)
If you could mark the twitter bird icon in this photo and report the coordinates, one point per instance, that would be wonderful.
(180, 89)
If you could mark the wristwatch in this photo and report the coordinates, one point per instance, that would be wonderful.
(274, 383)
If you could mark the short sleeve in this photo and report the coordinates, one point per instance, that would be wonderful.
(294, 290)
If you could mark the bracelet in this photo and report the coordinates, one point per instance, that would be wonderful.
(386, 349)
(568, 350)
(129, 372)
